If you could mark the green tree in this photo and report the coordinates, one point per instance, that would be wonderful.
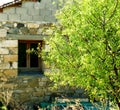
(85, 48)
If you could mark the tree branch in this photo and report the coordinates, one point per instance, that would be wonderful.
(113, 11)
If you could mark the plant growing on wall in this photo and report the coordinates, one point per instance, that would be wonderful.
(85, 48)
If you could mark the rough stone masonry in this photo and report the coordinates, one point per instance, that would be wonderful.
(31, 21)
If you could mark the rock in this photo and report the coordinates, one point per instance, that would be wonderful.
(33, 31)
(19, 25)
(40, 31)
(24, 30)
(32, 25)
(13, 31)
(9, 25)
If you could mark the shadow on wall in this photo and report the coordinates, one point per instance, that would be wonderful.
(22, 92)
(7, 95)
(25, 92)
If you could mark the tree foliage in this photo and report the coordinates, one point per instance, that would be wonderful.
(85, 47)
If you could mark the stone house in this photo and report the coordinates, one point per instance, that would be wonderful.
(23, 25)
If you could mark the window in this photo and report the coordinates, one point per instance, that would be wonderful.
(29, 63)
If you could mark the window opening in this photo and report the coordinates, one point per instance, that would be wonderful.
(29, 62)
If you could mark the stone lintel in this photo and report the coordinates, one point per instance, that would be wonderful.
(27, 37)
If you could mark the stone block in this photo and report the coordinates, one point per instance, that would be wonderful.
(3, 32)
(45, 12)
(33, 31)
(32, 25)
(14, 17)
(3, 17)
(26, 18)
(37, 94)
(28, 89)
(40, 31)
(46, 1)
(33, 83)
(38, 18)
(35, 99)
(10, 10)
(8, 86)
(38, 89)
(13, 51)
(28, 4)
(8, 25)
(24, 97)
(13, 31)
(10, 58)
(4, 51)
(9, 43)
(50, 19)
(56, 5)
(39, 5)
(5, 66)
(54, 12)
(1, 72)
(51, 6)
(45, 4)
(11, 72)
(33, 12)
(18, 91)
(45, 79)
(41, 84)
(15, 65)
(24, 30)
(21, 10)
(22, 86)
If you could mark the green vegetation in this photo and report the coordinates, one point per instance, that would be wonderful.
(85, 48)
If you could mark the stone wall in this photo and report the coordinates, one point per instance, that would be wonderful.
(27, 91)
(10, 33)
(24, 90)
(31, 11)
(8, 55)
(27, 28)
(31, 21)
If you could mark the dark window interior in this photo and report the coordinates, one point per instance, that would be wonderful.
(29, 63)
(22, 55)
